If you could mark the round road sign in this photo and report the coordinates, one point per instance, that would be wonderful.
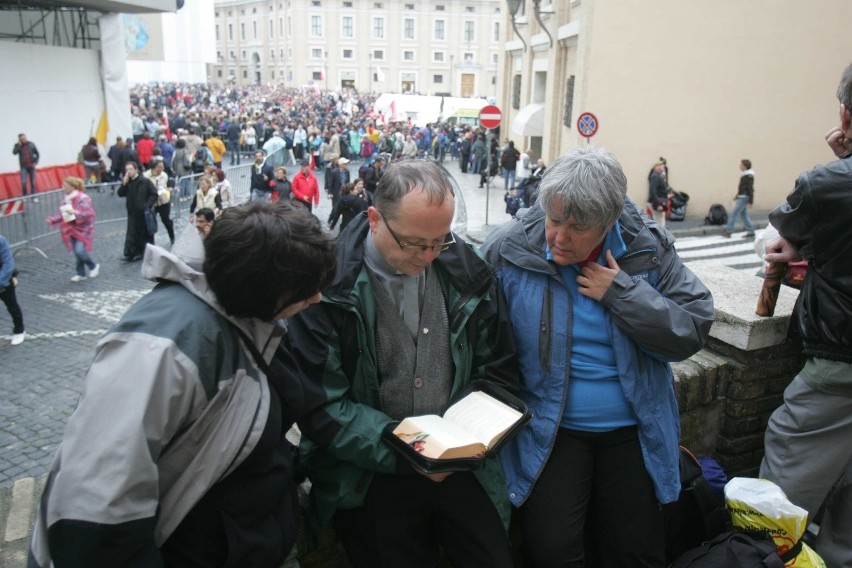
(587, 125)
(490, 116)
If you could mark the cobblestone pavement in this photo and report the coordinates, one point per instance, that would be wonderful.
(41, 379)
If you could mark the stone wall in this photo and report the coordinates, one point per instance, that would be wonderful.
(727, 391)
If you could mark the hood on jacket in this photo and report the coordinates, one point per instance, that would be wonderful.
(521, 241)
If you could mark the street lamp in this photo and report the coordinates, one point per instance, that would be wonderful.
(537, 12)
(514, 6)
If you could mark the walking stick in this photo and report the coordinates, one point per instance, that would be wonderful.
(771, 285)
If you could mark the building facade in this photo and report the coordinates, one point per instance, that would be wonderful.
(703, 85)
(449, 47)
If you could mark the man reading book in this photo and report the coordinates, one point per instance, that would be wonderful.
(412, 317)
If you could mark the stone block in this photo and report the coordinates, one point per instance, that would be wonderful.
(735, 464)
(739, 390)
(735, 298)
(689, 385)
(699, 428)
(733, 427)
(741, 408)
(781, 366)
(717, 369)
(739, 444)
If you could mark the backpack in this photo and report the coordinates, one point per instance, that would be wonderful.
(513, 204)
(718, 215)
(698, 515)
(362, 171)
(199, 160)
(677, 206)
(733, 550)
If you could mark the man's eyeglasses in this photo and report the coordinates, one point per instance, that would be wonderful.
(419, 248)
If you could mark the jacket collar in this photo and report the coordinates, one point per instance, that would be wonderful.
(524, 240)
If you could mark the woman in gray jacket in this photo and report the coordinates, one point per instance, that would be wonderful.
(175, 454)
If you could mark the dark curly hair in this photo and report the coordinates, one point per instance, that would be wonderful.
(263, 257)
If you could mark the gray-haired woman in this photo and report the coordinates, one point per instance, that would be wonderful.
(600, 304)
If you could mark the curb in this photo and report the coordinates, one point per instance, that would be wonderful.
(18, 506)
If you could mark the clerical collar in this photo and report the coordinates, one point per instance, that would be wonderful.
(406, 292)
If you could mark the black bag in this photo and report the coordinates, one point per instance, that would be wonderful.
(151, 222)
(697, 516)
(677, 208)
(199, 161)
(733, 550)
(718, 215)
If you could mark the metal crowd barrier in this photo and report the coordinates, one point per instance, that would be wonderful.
(23, 219)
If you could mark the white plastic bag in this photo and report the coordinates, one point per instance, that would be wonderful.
(760, 505)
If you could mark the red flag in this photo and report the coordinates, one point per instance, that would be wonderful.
(166, 124)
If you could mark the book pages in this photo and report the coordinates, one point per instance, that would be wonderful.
(483, 416)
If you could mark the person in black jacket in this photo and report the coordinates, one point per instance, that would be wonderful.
(349, 205)
(807, 445)
(509, 162)
(743, 201)
(337, 178)
(658, 191)
(233, 138)
(141, 196)
(374, 174)
(28, 159)
(116, 167)
(464, 151)
(262, 178)
(282, 184)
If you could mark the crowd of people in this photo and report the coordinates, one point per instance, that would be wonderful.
(192, 126)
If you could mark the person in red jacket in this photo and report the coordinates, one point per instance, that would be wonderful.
(145, 149)
(305, 187)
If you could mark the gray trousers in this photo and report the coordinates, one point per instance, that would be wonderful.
(808, 447)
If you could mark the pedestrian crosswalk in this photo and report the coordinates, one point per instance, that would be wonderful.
(736, 252)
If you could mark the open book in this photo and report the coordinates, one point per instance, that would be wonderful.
(468, 428)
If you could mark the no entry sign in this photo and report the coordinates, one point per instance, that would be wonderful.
(587, 125)
(490, 116)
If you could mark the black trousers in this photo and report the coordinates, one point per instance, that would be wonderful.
(165, 211)
(406, 517)
(594, 505)
(11, 301)
(137, 235)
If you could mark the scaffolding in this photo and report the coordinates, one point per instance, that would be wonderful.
(46, 23)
